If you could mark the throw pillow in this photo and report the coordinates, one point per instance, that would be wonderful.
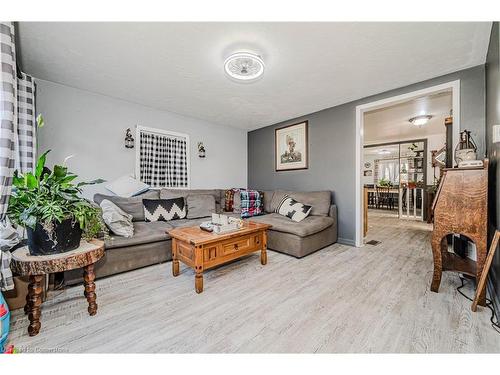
(229, 200)
(292, 209)
(237, 201)
(132, 206)
(200, 205)
(164, 209)
(251, 203)
(117, 220)
(127, 186)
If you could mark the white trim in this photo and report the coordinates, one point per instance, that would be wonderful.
(145, 129)
(361, 109)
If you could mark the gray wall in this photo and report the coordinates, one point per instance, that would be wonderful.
(492, 118)
(332, 146)
(92, 127)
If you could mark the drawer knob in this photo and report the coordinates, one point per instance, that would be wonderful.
(236, 246)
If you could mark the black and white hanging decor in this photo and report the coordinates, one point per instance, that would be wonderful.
(162, 158)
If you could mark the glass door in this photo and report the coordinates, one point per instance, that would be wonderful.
(412, 166)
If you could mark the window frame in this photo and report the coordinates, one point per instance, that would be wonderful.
(144, 129)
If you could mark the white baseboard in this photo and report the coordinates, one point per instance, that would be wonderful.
(346, 241)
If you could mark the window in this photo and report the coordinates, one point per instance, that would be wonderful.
(162, 158)
(387, 169)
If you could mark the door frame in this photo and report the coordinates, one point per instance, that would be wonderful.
(360, 111)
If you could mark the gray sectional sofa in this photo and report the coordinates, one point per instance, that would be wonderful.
(150, 243)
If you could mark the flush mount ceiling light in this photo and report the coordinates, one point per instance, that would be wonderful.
(384, 152)
(420, 120)
(244, 67)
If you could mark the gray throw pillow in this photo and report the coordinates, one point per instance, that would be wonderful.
(200, 205)
(117, 220)
(237, 202)
(133, 205)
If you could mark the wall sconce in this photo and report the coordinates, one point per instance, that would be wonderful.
(129, 140)
(201, 150)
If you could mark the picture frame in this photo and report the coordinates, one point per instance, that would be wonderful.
(291, 148)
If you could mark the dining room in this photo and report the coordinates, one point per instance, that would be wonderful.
(401, 150)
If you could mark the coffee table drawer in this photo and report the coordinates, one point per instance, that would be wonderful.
(237, 244)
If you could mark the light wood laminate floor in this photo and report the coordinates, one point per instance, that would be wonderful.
(339, 299)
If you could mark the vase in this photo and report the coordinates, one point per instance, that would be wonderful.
(64, 236)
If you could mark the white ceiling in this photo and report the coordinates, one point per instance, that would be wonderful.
(391, 123)
(309, 66)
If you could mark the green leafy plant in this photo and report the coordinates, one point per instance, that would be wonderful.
(49, 197)
(384, 182)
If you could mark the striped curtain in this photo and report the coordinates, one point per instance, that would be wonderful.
(163, 160)
(17, 139)
(26, 124)
(8, 108)
(8, 136)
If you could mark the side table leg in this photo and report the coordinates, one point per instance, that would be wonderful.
(88, 282)
(28, 304)
(35, 304)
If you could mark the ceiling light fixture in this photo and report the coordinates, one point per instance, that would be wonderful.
(420, 120)
(384, 152)
(244, 67)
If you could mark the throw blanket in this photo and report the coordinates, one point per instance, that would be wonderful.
(252, 202)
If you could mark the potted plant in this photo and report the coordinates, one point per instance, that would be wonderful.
(49, 205)
(384, 182)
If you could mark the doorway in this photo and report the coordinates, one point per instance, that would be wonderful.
(402, 176)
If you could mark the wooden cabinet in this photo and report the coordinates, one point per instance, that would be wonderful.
(460, 207)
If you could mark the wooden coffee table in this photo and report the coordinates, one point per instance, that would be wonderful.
(202, 250)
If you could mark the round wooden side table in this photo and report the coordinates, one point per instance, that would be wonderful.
(35, 267)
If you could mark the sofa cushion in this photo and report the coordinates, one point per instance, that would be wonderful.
(308, 226)
(143, 233)
(175, 193)
(132, 206)
(268, 198)
(200, 205)
(189, 222)
(319, 200)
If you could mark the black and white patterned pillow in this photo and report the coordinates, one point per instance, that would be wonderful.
(292, 209)
(164, 209)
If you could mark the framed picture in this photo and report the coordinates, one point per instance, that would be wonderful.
(291, 148)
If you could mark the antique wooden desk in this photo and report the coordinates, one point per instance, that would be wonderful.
(460, 207)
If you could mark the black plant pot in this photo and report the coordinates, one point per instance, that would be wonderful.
(65, 236)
